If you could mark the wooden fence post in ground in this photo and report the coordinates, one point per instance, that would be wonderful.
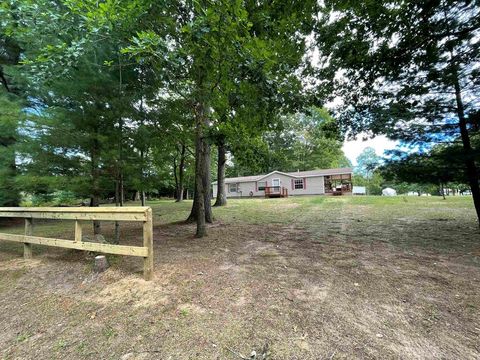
(148, 243)
(78, 231)
(27, 248)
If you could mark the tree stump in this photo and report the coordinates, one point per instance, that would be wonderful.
(101, 263)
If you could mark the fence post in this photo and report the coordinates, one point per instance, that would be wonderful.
(78, 231)
(27, 248)
(148, 243)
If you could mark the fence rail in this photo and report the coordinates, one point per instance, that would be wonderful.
(140, 214)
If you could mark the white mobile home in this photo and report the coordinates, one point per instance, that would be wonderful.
(280, 184)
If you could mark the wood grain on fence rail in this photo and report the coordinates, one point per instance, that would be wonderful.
(143, 214)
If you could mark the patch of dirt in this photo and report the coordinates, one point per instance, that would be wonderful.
(313, 293)
(190, 309)
(20, 264)
(131, 290)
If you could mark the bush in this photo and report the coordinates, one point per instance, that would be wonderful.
(57, 198)
(63, 197)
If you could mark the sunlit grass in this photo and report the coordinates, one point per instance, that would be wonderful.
(316, 214)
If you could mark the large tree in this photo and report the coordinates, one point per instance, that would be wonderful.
(11, 102)
(10, 116)
(86, 96)
(367, 162)
(111, 65)
(408, 69)
(217, 51)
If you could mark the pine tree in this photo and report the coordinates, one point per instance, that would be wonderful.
(407, 69)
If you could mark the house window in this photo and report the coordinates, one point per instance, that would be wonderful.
(261, 185)
(232, 188)
(298, 183)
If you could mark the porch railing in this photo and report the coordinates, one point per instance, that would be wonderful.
(276, 190)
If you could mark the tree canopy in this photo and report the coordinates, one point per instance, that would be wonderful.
(407, 69)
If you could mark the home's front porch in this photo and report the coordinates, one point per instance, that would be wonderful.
(275, 191)
(340, 184)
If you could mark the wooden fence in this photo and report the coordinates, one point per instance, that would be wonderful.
(140, 214)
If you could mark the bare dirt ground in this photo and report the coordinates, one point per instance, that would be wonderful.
(297, 278)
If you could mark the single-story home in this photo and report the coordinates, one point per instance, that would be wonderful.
(278, 183)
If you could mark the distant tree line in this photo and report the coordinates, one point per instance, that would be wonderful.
(437, 171)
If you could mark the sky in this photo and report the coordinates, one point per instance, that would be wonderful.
(380, 143)
(353, 148)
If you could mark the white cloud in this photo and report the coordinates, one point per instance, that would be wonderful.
(353, 148)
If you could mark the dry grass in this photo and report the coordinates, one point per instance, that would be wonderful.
(311, 277)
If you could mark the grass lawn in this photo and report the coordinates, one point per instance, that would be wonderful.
(304, 277)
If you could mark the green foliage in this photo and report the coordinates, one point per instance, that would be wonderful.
(407, 69)
(367, 162)
(303, 141)
(77, 139)
(397, 64)
(374, 183)
(318, 141)
(440, 165)
(10, 116)
(116, 88)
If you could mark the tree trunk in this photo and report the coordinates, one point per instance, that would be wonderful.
(175, 176)
(198, 208)
(95, 173)
(142, 191)
(117, 233)
(470, 165)
(122, 190)
(221, 199)
(180, 179)
(201, 208)
(117, 203)
(101, 263)
(207, 183)
(193, 213)
(95, 202)
(119, 181)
